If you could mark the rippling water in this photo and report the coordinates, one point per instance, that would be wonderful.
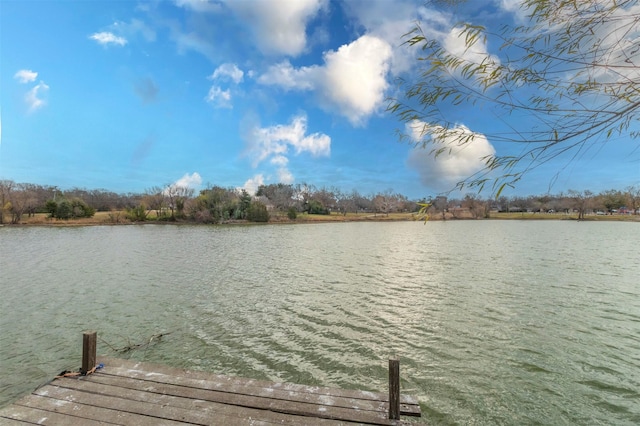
(494, 322)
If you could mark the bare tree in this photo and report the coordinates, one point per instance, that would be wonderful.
(176, 196)
(633, 195)
(20, 198)
(581, 201)
(154, 199)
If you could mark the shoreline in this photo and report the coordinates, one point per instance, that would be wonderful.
(108, 219)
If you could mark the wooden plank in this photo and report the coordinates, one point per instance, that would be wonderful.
(172, 371)
(172, 408)
(43, 417)
(140, 379)
(12, 422)
(362, 400)
(68, 406)
(280, 406)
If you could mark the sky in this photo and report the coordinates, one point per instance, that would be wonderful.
(128, 95)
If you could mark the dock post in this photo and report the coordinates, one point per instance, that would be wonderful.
(89, 339)
(394, 389)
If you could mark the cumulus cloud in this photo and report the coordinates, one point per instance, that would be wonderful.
(25, 76)
(275, 144)
(388, 20)
(218, 97)
(351, 81)
(355, 77)
(285, 176)
(279, 26)
(35, 97)
(190, 181)
(228, 71)
(287, 77)
(252, 184)
(275, 141)
(455, 164)
(106, 38)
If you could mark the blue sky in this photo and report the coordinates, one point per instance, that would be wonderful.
(126, 95)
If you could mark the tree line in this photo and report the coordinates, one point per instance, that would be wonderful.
(611, 201)
(216, 204)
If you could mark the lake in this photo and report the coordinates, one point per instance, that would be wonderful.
(495, 322)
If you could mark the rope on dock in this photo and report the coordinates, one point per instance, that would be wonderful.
(67, 373)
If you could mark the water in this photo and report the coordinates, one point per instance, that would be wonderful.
(495, 322)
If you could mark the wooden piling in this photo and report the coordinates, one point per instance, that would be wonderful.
(394, 389)
(89, 340)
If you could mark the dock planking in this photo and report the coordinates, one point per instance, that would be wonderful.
(126, 392)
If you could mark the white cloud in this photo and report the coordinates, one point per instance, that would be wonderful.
(290, 78)
(105, 38)
(355, 77)
(280, 160)
(252, 185)
(191, 181)
(516, 7)
(34, 97)
(228, 71)
(26, 76)
(389, 20)
(285, 176)
(218, 97)
(352, 80)
(279, 26)
(275, 142)
(453, 165)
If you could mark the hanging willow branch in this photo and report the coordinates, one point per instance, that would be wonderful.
(567, 79)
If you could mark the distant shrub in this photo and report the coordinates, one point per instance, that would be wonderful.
(292, 213)
(137, 213)
(257, 212)
(69, 209)
(316, 207)
(64, 210)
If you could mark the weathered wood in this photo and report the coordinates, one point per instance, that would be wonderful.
(394, 389)
(89, 343)
(168, 407)
(44, 400)
(235, 400)
(277, 391)
(115, 364)
(37, 416)
(132, 393)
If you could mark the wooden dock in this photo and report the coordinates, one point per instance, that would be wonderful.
(125, 392)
